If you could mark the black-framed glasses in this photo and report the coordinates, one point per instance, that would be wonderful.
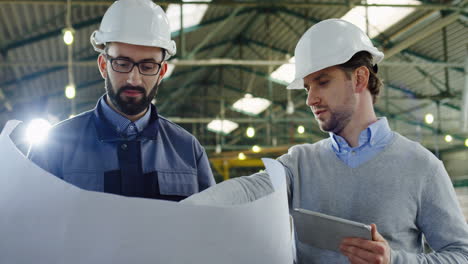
(122, 65)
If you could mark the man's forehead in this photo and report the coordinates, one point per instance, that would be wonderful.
(136, 52)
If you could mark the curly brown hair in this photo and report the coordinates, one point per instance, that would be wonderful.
(364, 58)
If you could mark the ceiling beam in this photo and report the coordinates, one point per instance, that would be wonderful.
(50, 34)
(420, 35)
(211, 21)
(278, 3)
(94, 21)
(213, 33)
(225, 61)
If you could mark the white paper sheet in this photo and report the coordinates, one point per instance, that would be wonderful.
(46, 220)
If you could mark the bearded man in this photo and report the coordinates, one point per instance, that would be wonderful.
(123, 146)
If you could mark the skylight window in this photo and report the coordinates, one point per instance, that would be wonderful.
(285, 73)
(251, 105)
(222, 126)
(193, 14)
(380, 18)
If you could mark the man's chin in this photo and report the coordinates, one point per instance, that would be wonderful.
(131, 99)
(325, 127)
(132, 111)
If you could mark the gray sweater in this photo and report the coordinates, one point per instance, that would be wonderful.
(404, 190)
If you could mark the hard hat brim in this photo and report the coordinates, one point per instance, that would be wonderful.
(296, 84)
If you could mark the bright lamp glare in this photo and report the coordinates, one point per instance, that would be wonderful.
(222, 126)
(251, 105)
(448, 138)
(466, 142)
(70, 91)
(285, 72)
(68, 37)
(300, 129)
(429, 119)
(37, 131)
(256, 149)
(250, 132)
(241, 156)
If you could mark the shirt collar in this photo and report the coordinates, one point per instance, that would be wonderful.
(372, 135)
(121, 123)
(106, 130)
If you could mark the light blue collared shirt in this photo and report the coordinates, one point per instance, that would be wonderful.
(372, 141)
(125, 127)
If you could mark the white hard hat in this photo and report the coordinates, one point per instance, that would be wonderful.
(328, 43)
(137, 22)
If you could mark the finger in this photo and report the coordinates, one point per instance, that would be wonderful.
(356, 260)
(357, 252)
(376, 236)
(358, 255)
(376, 247)
(353, 241)
(353, 259)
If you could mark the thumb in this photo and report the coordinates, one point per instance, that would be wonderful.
(376, 236)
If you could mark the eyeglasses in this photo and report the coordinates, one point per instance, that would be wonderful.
(125, 66)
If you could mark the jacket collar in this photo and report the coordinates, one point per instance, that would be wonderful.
(107, 132)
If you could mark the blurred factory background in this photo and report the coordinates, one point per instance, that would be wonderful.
(226, 84)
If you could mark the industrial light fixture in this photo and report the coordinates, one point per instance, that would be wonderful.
(256, 149)
(300, 129)
(250, 132)
(285, 73)
(251, 105)
(448, 138)
(68, 35)
(290, 104)
(241, 156)
(222, 126)
(429, 118)
(290, 107)
(70, 91)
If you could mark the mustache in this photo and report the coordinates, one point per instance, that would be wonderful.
(132, 88)
(319, 107)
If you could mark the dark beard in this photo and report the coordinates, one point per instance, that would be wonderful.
(131, 106)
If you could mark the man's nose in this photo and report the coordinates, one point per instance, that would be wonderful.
(312, 98)
(134, 77)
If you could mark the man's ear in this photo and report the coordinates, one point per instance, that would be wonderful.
(361, 78)
(163, 71)
(102, 65)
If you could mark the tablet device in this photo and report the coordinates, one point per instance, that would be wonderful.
(326, 231)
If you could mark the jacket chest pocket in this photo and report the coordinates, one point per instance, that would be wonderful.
(172, 186)
(176, 185)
